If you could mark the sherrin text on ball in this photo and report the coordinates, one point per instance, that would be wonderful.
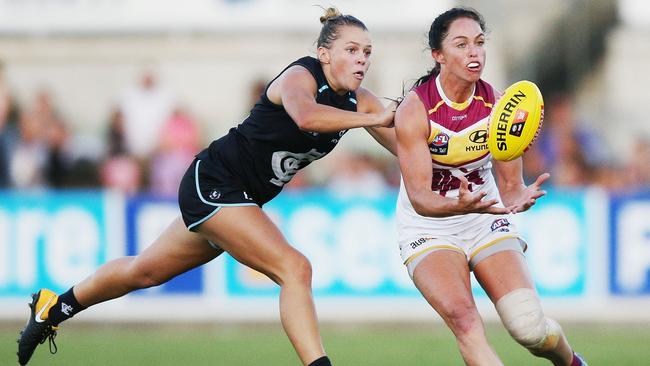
(515, 121)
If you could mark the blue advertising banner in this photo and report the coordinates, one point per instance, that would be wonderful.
(50, 239)
(55, 239)
(630, 244)
(557, 231)
(146, 218)
(353, 248)
(351, 243)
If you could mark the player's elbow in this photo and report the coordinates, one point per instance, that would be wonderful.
(424, 209)
(420, 208)
(306, 119)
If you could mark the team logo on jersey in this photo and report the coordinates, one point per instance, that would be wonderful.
(479, 136)
(440, 144)
(518, 123)
(214, 195)
(286, 164)
(500, 225)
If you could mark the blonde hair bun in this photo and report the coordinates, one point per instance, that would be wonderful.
(330, 13)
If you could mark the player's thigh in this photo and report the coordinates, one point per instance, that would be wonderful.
(250, 236)
(175, 251)
(443, 278)
(503, 272)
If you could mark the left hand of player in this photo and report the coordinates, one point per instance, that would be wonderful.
(530, 194)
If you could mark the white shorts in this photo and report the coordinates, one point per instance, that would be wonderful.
(477, 236)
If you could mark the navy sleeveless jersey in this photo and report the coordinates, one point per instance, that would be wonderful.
(267, 149)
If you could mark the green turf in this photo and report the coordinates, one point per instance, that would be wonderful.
(429, 344)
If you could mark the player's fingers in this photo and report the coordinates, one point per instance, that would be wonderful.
(464, 184)
(530, 203)
(484, 205)
(477, 199)
(511, 209)
(500, 210)
(538, 194)
(541, 179)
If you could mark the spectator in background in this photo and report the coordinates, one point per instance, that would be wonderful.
(55, 136)
(179, 142)
(29, 155)
(8, 134)
(357, 175)
(637, 170)
(119, 171)
(145, 108)
(40, 157)
(566, 148)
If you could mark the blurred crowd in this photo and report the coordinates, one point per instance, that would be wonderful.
(149, 139)
(576, 155)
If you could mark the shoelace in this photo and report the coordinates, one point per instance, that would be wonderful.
(50, 334)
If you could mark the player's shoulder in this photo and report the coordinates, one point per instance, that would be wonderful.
(365, 94)
(367, 101)
(412, 100)
(486, 91)
(412, 107)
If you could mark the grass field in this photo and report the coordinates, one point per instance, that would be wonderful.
(233, 345)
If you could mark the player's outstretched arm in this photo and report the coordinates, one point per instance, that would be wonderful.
(369, 103)
(295, 89)
(411, 128)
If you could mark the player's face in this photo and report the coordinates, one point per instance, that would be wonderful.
(463, 52)
(347, 61)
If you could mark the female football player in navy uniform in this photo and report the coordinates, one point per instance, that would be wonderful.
(452, 215)
(298, 119)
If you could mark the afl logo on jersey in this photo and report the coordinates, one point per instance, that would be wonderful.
(478, 136)
(440, 144)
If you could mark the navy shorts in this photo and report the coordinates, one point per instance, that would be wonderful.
(206, 187)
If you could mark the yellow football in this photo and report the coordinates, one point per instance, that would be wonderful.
(515, 121)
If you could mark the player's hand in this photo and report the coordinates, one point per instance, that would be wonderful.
(530, 194)
(387, 118)
(470, 202)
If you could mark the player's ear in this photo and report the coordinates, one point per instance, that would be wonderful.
(323, 55)
(438, 56)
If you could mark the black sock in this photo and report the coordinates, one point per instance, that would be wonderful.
(65, 308)
(323, 361)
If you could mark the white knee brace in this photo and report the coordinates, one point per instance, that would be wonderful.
(521, 313)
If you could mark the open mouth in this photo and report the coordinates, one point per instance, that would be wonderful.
(359, 75)
(474, 66)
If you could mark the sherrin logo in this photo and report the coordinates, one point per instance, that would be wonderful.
(515, 120)
(502, 123)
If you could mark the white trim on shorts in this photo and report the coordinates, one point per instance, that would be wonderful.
(217, 205)
(514, 243)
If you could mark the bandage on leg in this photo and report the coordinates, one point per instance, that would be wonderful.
(522, 315)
